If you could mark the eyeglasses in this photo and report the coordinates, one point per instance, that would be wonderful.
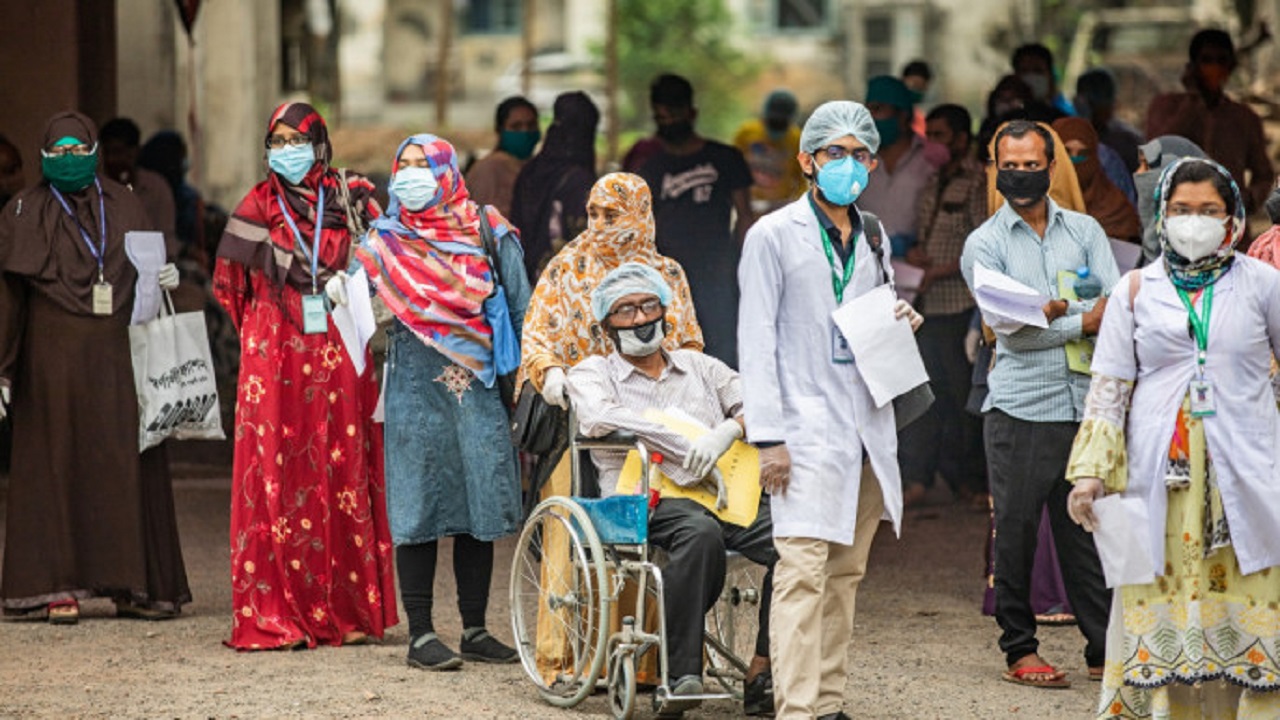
(64, 150)
(628, 312)
(275, 142)
(839, 152)
(1213, 211)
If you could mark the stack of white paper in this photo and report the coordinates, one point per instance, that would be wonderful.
(146, 251)
(883, 346)
(355, 319)
(1123, 537)
(1007, 305)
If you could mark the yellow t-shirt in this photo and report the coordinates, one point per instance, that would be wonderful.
(775, 172)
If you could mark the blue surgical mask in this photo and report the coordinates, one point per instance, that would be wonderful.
(291, 162)
(415, 187)
(842, 181)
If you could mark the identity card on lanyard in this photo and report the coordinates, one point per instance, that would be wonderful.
(1201, 390)
(314, 315)
(102, 289)
(840, 352)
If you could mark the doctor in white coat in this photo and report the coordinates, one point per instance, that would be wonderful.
(809, 410)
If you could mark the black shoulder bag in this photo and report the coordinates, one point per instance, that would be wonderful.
(914, 403)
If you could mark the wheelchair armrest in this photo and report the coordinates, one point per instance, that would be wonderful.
(616, 440)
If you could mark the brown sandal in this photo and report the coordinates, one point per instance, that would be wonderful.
(64, 612)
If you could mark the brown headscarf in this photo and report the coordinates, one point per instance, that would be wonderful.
(1064, 188)
(1105, 202)
(40, 241)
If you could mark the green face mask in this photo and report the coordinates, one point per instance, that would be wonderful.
(70, 173)
(1077, 159)
(519, 143)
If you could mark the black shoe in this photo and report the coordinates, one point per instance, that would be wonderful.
(483, 647)
(428, 653)
(675, 706)
(757, 695)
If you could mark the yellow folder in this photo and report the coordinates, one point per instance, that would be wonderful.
(740, 467)
(1079, 352)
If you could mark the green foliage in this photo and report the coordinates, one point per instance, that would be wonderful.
(689, 38)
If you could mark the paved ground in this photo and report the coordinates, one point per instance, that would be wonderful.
(922, 649)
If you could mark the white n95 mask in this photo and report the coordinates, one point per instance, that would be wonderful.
(1195, 236)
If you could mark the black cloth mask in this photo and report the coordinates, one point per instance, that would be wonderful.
(1023, 188)
(676, 132)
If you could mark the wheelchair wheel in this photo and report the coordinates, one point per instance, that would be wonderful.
(559, 604)
(622, 684)
(733, 623)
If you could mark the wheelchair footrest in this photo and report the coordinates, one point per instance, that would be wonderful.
(619, 520)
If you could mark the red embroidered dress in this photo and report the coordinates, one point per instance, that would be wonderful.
(311, 556)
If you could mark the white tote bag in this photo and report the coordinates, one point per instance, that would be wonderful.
(173, 373)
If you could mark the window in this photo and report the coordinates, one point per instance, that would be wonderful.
(877, 32)
(494, 16)
(801, 14)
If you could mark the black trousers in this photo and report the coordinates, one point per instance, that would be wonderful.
(947, 439)
(695, 542)
(1027, 462)
(472, 569)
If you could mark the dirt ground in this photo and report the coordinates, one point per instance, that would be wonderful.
(922, 650)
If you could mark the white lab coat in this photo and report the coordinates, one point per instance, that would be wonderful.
(1152, 346)
(791, 389)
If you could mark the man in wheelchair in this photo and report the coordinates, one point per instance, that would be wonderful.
(612, 393)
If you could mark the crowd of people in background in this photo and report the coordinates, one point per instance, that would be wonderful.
(616, 285)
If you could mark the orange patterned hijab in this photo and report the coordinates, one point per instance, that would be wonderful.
(559, 329)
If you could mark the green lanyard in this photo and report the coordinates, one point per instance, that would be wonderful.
(838, 283)
(1199, 323)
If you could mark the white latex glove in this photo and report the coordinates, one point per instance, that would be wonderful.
(971, 339)
(903, 309)
(4, 402)
(775, 469)
(336, 288)
(714, 478)
(168, 276)
(707, 449)
(1080, 502)
(553, 390)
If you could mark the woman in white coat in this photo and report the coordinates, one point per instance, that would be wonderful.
(1181, 415)
(810, 411)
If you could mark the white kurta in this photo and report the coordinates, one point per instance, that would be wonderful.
(793, 391)
(1153, 348)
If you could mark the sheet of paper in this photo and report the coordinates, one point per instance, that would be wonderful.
(740, 467)
(1007, 305)
(883, 347)
(146, 252)
(1123, 537)
(354, 320)
(1127, 254)
(907, 279)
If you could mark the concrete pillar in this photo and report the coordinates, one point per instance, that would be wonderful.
(360, 59)
(148, 32)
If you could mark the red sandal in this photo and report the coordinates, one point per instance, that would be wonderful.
(64, 612)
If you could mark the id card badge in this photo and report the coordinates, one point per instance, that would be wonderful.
(314, 317)
(1202, 402)
(840, 352)
(102, 298)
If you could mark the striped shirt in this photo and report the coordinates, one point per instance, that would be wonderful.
(609, 393)
(1030, 380)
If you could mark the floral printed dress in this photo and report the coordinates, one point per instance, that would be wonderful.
(1203, 641)
(311, 556)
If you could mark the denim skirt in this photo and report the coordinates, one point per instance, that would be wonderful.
(451, 468)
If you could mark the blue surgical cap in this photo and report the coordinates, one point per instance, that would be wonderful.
(628, 278)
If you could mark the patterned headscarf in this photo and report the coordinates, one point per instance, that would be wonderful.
(430, 267)
(560, 329)
(259, 237)
(1193, 275)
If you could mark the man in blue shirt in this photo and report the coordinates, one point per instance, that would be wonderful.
(1036, 401)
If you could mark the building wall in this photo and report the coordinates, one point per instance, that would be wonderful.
(55, 58)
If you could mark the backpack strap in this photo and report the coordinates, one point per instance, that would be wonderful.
(489, 244)
(871, 229)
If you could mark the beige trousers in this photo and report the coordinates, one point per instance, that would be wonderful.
(814, 586)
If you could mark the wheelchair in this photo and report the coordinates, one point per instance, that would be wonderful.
(573, 559)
